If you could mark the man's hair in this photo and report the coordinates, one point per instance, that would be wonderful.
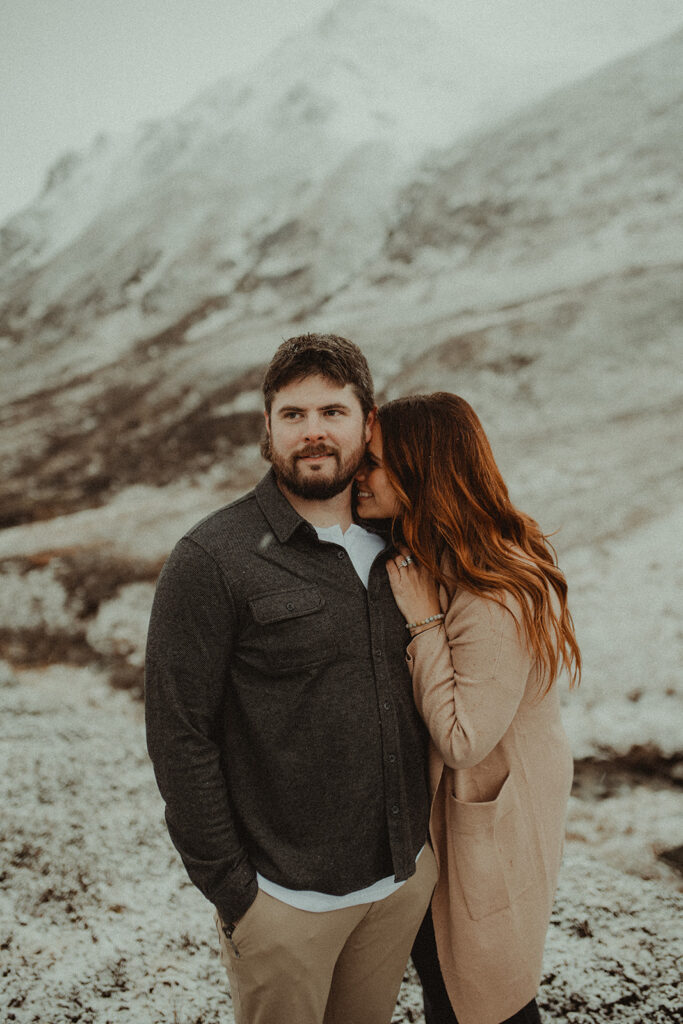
(327, 354)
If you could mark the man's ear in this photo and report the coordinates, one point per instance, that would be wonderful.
(370, 421)
(266, 450)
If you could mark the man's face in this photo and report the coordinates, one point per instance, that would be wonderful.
(317, 437)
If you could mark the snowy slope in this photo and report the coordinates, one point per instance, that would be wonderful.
(243, 197)
(100, 922)
(533, 267)
(187, 278)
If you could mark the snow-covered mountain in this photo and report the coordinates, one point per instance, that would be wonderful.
(532, 265)
(264, 194)
(154, 274)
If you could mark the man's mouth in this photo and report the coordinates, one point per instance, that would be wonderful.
(314, 456)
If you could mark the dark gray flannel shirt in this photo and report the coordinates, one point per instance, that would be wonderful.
(280, 718)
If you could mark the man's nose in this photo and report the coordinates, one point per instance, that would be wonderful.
(315, 427)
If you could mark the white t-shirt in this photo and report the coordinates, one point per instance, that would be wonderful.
(362, 548)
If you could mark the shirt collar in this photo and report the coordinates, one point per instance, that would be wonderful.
(283, 518)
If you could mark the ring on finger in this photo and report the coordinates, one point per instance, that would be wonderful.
(403, 564)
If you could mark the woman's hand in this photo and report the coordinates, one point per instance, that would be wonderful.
(415, 591)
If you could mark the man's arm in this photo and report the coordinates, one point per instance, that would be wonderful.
(189, 644)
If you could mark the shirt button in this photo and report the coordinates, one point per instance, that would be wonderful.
(391, 758)
(386, 705)
(395, 809)
(378, 654)
(340, 554)
(290, 606)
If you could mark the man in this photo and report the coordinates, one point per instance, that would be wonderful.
(280, 717)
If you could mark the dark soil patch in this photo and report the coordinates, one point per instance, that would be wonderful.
(131, 429)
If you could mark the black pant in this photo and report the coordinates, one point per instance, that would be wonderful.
(438, 1009)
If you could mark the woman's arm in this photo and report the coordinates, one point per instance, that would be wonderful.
(469, 676)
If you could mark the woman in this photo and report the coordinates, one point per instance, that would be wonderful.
(486, 607)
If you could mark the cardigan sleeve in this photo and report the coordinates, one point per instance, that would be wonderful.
(469, 677)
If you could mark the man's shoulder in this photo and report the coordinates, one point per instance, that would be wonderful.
(237, 521)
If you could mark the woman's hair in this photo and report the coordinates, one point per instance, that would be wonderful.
(457, 519)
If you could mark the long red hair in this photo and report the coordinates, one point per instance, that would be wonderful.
(456, 517)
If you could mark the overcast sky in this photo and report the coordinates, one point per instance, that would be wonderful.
(72, 68)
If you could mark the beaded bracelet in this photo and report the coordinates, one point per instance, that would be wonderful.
(431, 618)
(423, 629)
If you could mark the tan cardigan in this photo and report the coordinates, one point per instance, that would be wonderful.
(501, 772)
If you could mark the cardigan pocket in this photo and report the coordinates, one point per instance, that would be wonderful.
(489, 851)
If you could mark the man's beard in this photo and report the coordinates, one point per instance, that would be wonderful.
(317, 485)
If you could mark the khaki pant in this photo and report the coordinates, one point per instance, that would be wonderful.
(289, 966)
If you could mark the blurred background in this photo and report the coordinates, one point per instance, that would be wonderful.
(484, 194)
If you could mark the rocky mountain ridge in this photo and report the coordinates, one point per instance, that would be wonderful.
(576, 199)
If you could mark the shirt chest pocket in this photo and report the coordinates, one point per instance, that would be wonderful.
(291, 630)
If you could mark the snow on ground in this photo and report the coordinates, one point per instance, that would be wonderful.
(100, 923)
(625, 598)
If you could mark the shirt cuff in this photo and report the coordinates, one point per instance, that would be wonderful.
(231, 908)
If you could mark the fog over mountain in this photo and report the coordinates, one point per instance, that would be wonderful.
(503, 224)
(270, 203)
